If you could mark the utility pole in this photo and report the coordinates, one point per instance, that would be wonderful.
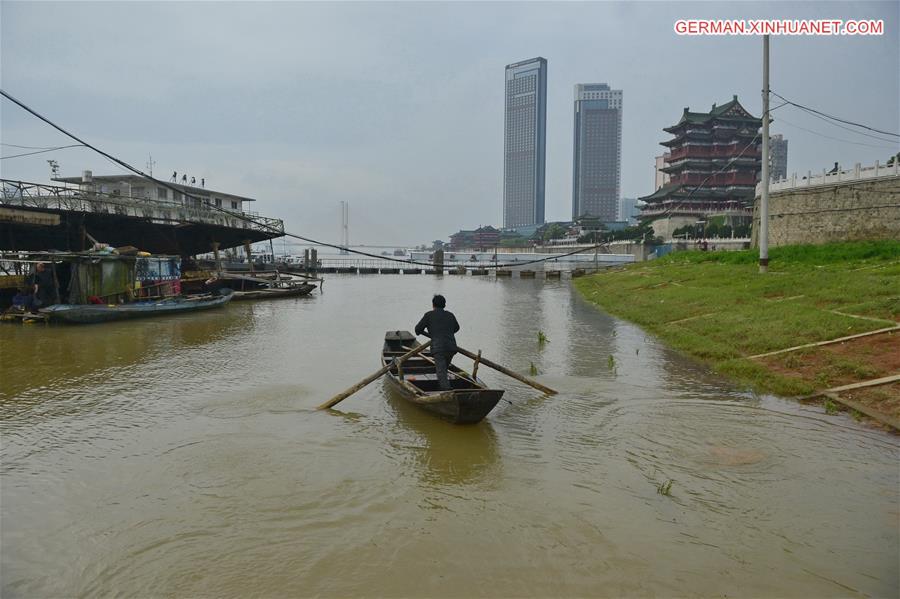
(345, 226)
(764, 194)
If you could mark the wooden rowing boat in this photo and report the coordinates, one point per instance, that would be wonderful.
(275, 292)
(94, 313)
(468, 401)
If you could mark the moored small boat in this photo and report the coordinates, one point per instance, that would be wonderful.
(275, 292)
(94, 313)
(468, 401)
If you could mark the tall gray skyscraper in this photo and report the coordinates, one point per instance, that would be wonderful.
(596, 171)
(525, 143)
(778, 147)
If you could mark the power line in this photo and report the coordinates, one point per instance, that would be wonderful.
(845, 121)
(268, 228)
(856, 143)
(42, 151)
(26, 147)
(839, 126)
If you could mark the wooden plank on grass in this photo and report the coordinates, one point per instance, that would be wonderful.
(873, 414)
(870, 383)
(820, 343)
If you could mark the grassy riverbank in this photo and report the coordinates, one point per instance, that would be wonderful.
(716, 307)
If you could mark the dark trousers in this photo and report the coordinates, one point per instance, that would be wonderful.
(442, 363)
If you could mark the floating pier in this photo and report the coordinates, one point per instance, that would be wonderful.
(477, 270)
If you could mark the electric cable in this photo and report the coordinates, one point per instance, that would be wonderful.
(854, 131)
(42, 151)
(845, 121)
(856, 143)
(27, 147)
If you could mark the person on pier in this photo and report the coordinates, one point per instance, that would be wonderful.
(45, 291)
(440, 325)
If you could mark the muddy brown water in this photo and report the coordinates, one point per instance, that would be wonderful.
(183, 456)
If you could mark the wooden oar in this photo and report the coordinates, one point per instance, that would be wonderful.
(342, 396)
(506, 371)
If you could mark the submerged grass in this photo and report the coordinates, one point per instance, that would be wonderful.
(715, 306)
(665, 488)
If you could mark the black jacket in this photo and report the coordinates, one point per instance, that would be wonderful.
(47, 293)
(440, 325)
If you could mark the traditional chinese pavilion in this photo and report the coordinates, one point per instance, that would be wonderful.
(713, 164)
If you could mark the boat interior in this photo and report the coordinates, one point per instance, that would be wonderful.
(419, 370)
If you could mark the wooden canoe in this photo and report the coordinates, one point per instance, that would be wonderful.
(94, 313)
(467, 402)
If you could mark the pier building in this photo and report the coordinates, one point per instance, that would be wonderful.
(124, 210)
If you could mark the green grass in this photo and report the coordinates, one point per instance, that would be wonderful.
(665, 488)
(831, 253)
(717, 307)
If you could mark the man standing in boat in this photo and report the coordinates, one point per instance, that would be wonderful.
(440, 325)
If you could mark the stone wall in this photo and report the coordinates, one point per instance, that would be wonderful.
(845, 211)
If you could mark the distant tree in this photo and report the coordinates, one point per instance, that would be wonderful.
(742, 230)
(592, 223)
(514, 241)
(685, 231)
(893, 159)
(554, 231)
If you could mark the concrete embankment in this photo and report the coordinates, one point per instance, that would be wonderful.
(824, 322)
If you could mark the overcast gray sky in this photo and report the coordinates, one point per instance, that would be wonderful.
(397, 108)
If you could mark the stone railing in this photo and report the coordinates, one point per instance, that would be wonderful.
(857, 173)
(50, 197)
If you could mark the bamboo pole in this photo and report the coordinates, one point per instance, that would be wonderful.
(507, 371)
(345, 394)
